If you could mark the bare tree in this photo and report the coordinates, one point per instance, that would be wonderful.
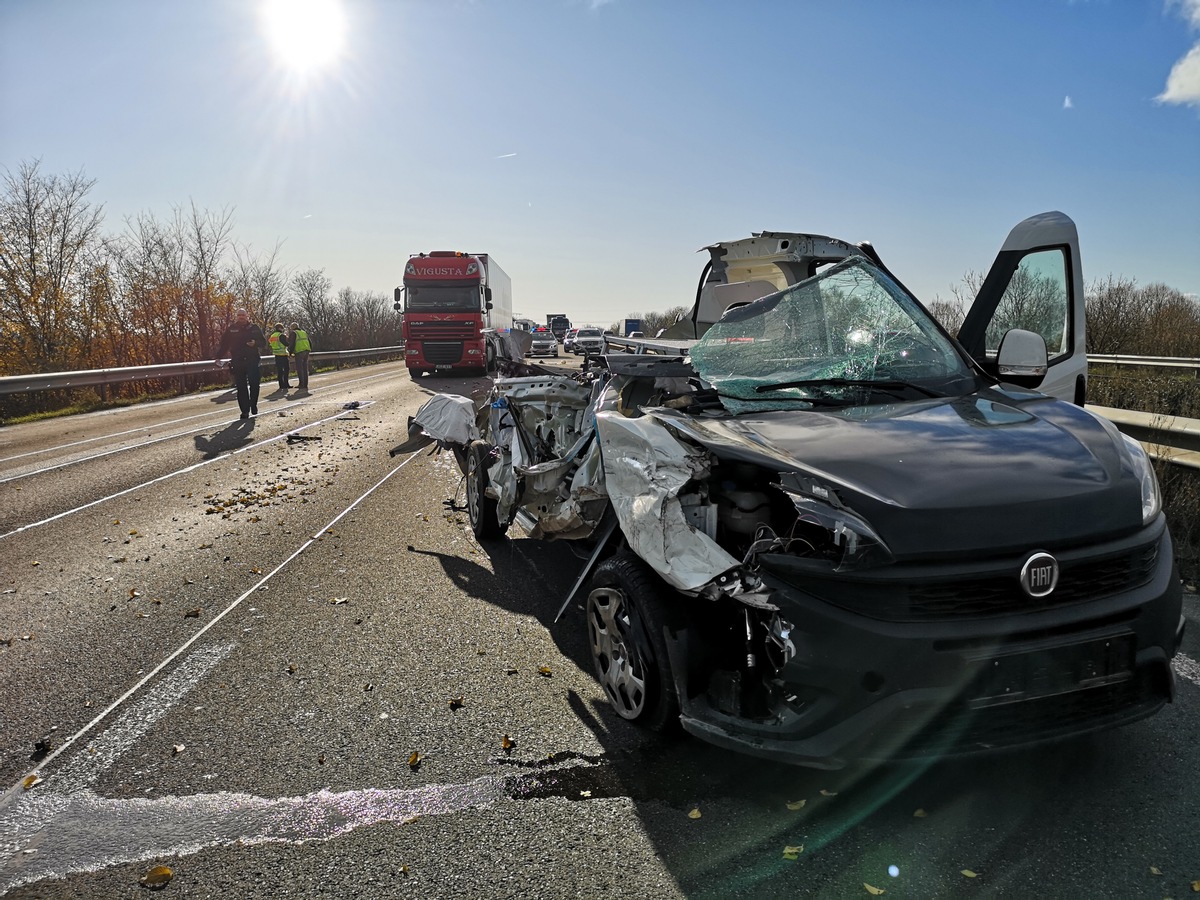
(1115, 313)
(259, 283)
(47, 226)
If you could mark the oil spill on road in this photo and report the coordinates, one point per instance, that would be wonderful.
(51, 835)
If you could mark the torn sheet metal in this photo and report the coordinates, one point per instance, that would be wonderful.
(551, 467)
(448, 418)
(645, 469)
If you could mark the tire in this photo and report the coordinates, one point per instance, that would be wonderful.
(626, 613)
(416, 374)
(481, 509)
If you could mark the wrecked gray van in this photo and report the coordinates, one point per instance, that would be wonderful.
(829, 533)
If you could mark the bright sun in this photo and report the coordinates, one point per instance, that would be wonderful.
(305, 35)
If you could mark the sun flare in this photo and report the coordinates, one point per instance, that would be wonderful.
(305, 35)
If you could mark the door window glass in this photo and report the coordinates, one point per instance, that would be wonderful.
(1036, 299)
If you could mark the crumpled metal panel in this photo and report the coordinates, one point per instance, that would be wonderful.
(449, 418)
(645, 470)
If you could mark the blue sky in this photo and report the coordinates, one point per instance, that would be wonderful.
(594, 147)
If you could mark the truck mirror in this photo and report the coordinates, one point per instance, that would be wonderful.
(398, 295)
(488, 305)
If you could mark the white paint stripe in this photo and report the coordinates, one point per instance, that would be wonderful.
(82, 771)
(199, 634)
(105, 437)
(204, 462)
(216, 412)
(1186, 667)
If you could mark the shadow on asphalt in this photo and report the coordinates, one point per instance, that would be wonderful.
(232, 436)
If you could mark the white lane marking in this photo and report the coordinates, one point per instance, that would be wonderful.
(193, 467)
(86, 833)
(1186, 667)
(199, 634)
(95, 456)
(156, 440)
(83, 770)
(104, 437)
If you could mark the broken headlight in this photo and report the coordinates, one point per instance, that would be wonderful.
(842, 537)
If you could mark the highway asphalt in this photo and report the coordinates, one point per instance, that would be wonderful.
(222, 643)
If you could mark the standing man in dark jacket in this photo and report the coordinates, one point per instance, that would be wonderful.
(245, 343)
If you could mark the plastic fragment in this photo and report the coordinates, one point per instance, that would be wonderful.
(793, 852)
(794, 805)
(695, 813)
(157, 878)
(871, 889)
(969, 873)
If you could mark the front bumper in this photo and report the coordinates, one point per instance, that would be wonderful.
(953, 681)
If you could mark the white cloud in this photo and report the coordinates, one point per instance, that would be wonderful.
(505, 156)
(1067, 104)
(1183, 83)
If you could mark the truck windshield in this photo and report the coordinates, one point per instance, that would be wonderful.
(452, 298)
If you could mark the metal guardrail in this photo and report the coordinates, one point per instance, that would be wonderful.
(1158, 362)
(55, 381)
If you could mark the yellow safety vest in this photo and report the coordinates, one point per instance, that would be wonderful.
(278, 346)
(302, 344)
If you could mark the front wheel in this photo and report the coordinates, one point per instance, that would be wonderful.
(481, 509)
(626, 615)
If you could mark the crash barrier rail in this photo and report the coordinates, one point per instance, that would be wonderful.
(1157, 362)
(54, 381)
(1173, 439)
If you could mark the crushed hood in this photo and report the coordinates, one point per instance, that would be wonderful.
(986, 472)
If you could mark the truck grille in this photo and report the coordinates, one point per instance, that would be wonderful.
(441, 331)
(442, 353)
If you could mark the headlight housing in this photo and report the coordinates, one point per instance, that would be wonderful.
(1144, 472)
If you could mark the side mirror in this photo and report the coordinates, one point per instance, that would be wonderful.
(1021, 358)
(487, 298)
(398, 296)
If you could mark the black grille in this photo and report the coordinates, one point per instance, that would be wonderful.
(442, 353)
(961, 728)
(900, 596)
(997, 595)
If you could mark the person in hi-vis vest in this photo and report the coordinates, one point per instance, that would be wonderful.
(299, 345)
(279, 347)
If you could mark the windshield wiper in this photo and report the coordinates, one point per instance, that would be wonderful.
(891, 386)
(815, 401)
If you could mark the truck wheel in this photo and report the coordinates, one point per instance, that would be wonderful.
(481, 509)
(626, 614)
(416, 374)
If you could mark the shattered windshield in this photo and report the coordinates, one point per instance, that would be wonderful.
(849, 335)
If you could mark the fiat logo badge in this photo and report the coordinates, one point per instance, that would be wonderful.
(1039, 575)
